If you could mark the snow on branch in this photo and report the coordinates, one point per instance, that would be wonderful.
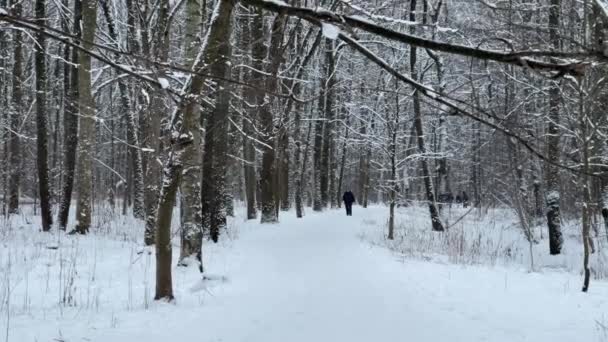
(603, 6)
(445, 100)
(519, 58)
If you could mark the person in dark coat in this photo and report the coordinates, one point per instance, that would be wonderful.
(348, 199)
(465, 199)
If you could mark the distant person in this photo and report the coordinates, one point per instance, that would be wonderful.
(465, 199)
(348, 199)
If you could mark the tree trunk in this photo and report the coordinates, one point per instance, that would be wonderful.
(428, 182)
(327, 109)
(317, 204)
(248, 121)
(41, 120)
(214, 49)
(299, 162)
(14, 146)
(552, 176)
(156, 112)
(342, 165)
(132, 134)
(393, 130)
(330, 133)
(70, 122)
(172, 174)
(86, 131)
(283, 166)
(364, 159)
(585, 136)
(250, 172)
(268, 171)
(216, 131)
(191, 230)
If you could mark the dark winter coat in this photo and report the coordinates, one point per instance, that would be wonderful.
(348, 197)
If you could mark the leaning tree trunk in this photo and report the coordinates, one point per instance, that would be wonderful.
(552, 175)
(426, 176)
(298, 159)
(219, 32)
(86, 131)
(14, 148)
(127, 113)
(70, 123)
(41, 120)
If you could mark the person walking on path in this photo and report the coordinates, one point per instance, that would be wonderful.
(348, 199)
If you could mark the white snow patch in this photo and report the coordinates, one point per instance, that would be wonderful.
(330, 31)
(311, 279)
(446, 29)
(164, 83)
(277, 2)
(362, 19)
(3, 11)
(553, 196)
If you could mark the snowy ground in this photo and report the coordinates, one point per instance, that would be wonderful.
(314, 279)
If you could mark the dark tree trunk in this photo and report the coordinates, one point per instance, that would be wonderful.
(283, 165)
(41, 120)
(364, 158)
(268, 171)
(250, 174)
(70, 123)
(215, 50)
(327, 110)
(342, 165)
(248, 120)
(214, 164)
(172, 176)
(156, 111)
(14, 146)
(86, 129)
(214, 187)
(317, 203)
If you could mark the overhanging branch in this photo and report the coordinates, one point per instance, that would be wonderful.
(519, 58)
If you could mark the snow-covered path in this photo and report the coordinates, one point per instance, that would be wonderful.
(315, 280)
